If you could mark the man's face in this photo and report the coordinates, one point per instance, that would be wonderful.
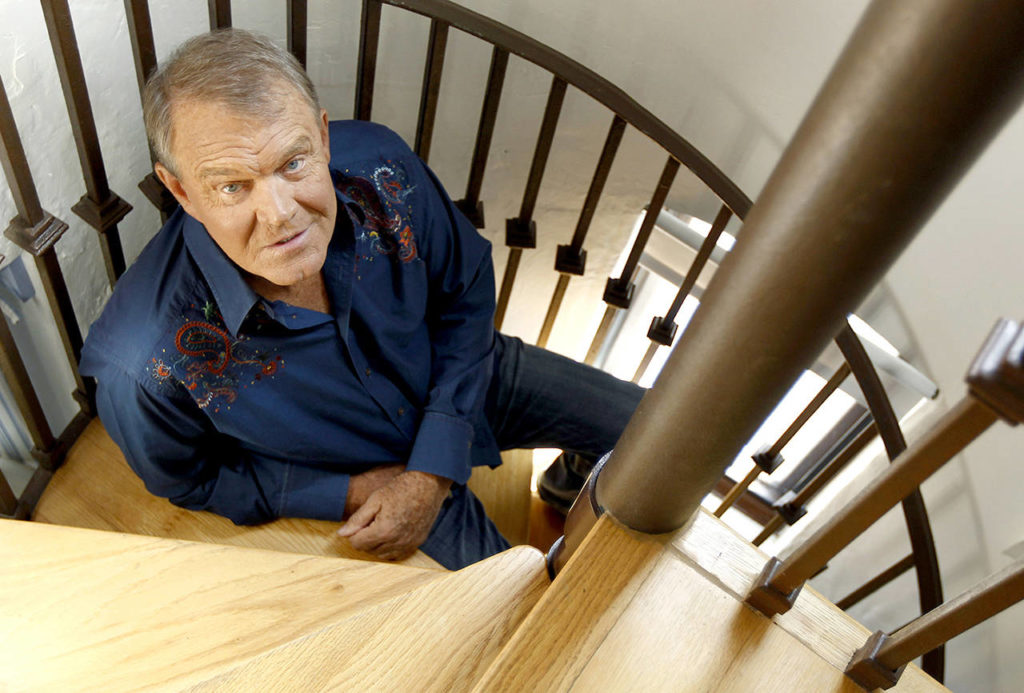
(260, 187)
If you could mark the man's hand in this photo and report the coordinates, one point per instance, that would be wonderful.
(361, 486)
(396, 518)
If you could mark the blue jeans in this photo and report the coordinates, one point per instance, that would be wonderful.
(537, 399)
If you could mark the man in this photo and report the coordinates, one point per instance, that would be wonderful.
(311, 334)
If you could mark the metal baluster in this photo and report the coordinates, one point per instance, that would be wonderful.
(220, 14)
(140, 28)
(791, 508)
(37, 232)
(100, 207)
(781, 581)
(297, 19)
(663, 329)
(432, 70)
(618, 293)
(876, 583)
(521, 231)
(369, 38)
(768, 460)
(880, 662)
(572, 259)
(8, 501)
(471, 205)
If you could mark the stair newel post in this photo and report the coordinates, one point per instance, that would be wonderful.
(914, 98)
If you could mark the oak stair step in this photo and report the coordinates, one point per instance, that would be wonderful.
(108, 611)
(96, 489)
(634, 612)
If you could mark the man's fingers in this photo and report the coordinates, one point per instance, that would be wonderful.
(360, 519)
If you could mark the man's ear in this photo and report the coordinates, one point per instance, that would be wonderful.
(325, 137)
(172, 183)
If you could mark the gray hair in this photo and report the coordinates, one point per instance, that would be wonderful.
(233, 67)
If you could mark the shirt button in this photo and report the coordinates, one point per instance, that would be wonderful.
(368, 371)
(401, 411)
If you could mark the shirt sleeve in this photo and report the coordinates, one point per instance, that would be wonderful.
(178, 454)
(460, 318)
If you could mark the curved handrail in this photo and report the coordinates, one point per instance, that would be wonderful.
(589, 82)
(926, 562)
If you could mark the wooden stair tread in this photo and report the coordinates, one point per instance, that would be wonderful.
(663, 613)
(439, 637)
(120, 611)
(96, 489)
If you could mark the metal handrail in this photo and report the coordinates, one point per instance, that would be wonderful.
(589, 82)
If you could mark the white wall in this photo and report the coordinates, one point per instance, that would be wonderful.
(733, 76)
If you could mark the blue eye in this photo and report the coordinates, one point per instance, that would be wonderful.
(293, 165)
(231, 188)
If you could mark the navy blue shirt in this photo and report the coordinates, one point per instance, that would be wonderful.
(255, 409)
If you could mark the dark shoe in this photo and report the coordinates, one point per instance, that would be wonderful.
(560, 483)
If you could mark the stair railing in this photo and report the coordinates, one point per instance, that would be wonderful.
(887, 137)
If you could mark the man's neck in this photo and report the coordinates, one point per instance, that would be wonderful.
(309, 293)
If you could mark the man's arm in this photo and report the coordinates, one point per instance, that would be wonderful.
(172, 446)
(460, 314)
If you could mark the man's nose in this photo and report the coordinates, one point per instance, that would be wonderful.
(275, 202)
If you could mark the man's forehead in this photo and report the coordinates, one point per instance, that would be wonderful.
(209, 132)
(227, 160)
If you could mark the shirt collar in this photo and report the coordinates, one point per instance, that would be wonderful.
(234, 297)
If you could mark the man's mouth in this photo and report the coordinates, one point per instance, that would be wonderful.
(289, 239)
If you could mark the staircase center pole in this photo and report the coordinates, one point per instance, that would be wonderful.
(921, 87)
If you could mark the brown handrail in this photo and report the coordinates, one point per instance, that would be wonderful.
(926, 558)
(589, 82)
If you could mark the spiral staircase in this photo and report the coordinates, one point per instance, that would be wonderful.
(110, 589)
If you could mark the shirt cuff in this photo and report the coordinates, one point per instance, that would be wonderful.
(316, 494)
(442, 447)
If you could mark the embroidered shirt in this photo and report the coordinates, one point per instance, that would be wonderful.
(255, 409)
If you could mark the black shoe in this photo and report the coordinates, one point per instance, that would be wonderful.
(560, 483)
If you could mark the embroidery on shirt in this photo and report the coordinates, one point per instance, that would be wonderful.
(210, 363)
(385, 214)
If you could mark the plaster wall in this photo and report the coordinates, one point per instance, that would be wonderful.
(734, 77)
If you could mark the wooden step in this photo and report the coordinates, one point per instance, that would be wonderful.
(632, 612)
(96, 489)
(84, 609)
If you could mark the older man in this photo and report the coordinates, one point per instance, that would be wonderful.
(311, 334)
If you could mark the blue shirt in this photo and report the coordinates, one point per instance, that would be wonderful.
(255, 409)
